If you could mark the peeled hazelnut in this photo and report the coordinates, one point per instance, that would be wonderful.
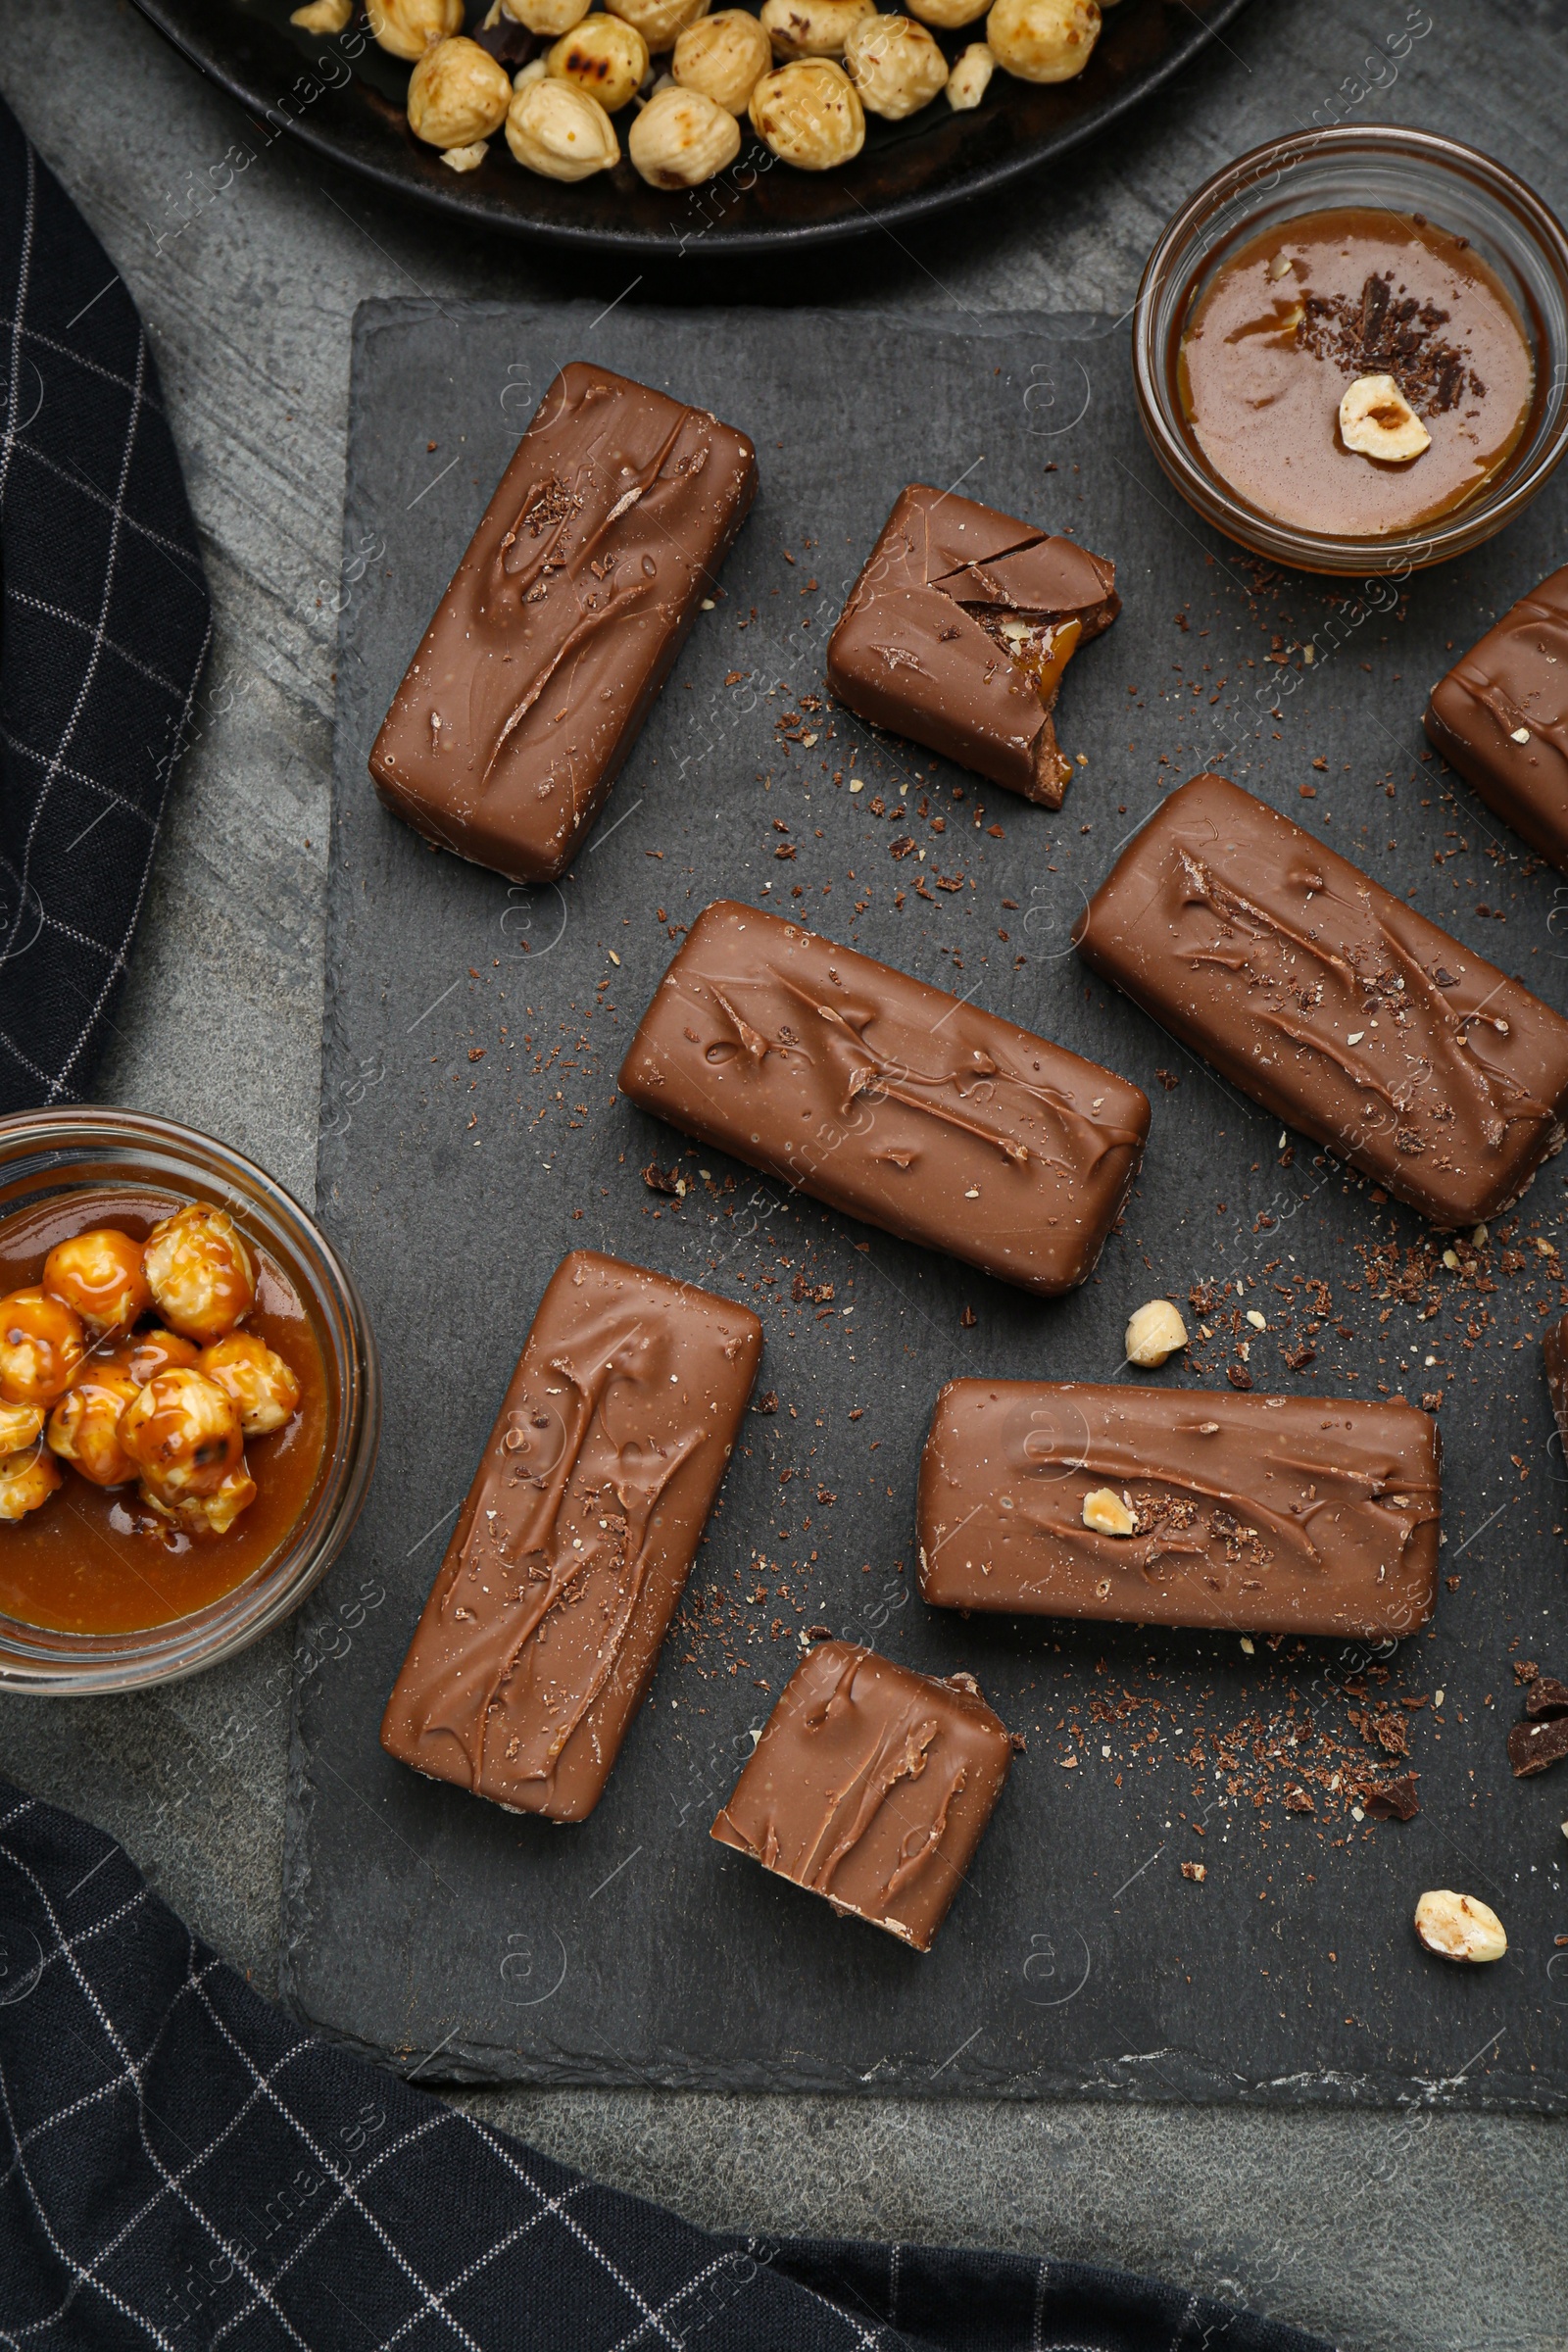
(1043, 40)
(41, 1346)
(1106, 1513)
(659, 21)
(1377, 420)
(458, 93)
(146, 1354)
(811, 28)
(26, 1480)
(100, 1275)
(681, 139)
(199, 1272)
(1154, 1332)
(604, 58)
(1459, 1927)
(894, 64)
(266, 1390)
(85, 1426)
(809, 115)
(324, 16)
(183, 1433)
(407, 27)
(970, 78)
(552, 18)
(724, 57)
(947, 15)
(21, 1426)
(558, 131)
(211, 1514)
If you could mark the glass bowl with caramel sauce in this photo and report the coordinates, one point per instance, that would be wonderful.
(1357, 257)
(99, 1592)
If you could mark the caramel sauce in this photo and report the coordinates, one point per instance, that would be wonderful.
(1278, 337)
(91, 1559)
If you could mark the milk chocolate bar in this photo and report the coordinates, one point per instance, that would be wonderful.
(1180, 1507)
(959, 629)
(1501, 717)
(562, 622)
(543, 1628)
(871, 1786)
(1554, 1351)
(887, 1099)
(1339, 1008)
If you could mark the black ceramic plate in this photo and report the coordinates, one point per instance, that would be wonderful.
(302, 85)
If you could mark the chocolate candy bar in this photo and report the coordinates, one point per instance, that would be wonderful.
(959, 629)
(1180, 1507)
(1554, 1352)
(871, 1786)
(562, 622)
(1501, 717)
(1339, 1008)
(887, 1099)
(542, 1631)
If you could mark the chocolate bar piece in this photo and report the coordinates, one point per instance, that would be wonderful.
(871, 1786)
(1339, 1008)
(1180, 1507)
(1501, 717)
(959, 629)
(1554, 1354)
(562, 622)
(887, 1099)
(543, 1628)
(1533, 1746)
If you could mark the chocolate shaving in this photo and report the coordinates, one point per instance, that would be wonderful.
(1373, 334)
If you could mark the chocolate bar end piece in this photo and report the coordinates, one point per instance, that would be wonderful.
(562, 622)
(871, 1786)
(1533, 1747)
(1500, 718)
(569, 1555)
(959, 629)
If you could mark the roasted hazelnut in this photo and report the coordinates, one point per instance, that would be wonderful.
(146, 1354)
(1375, 420)
(724, 57)
(970, 78)
(1155, 1331)
(1459, 1927)
(894, 64)
(100, 1275)
(659, 21)
(604, 58)
(407, 27)
(1043, 40)
(183, 1433)
(41, 1346)
(681, 138)
(211, 1514)
(558, 131)
(324, 16)
(552, 18)
(199, 1271)
(85, 1426)
(807, 113)
(458, 93)
(266, 1390)
(947, 15)
(27, 1480)
(811, 28)
(21, 1426)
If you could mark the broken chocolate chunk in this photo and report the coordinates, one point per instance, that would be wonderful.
(1391, 1801)
(1549, 1698)
(1533, 1746)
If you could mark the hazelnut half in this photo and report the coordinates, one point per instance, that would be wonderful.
(1377, 421)
(895, 64)
(1108, 1515)
(1459, 1927)
(681, 139)
(970, 78)
(1153, 1333)
(1043, 40)
(809, 115)
(724, 56)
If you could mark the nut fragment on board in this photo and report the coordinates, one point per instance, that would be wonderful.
(895, 64)
(408, 27)
(1108, 1515)
(811, 28)
(1377, 421)
(682, 139)
(970, 78)
(324, 16)
(1043, 40)
(809, 113)
(1153, 1333)
(1459, 1927)
(724, 57)
(604, 58)
(558, 131)
(458, 94)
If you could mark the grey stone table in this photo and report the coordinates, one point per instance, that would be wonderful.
(1420, 2231)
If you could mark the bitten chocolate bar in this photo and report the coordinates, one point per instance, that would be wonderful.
(959, 629)
(887, 1099)
(1501, 717)
(544, 1625)
(1339, 1008)
(871, 1786)
(1180, 1507)
(562, 622)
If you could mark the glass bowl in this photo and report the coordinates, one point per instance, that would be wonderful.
(1405, 171)
(46, 1152)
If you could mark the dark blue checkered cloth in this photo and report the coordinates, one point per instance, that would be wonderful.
(105, 627)
(184, 2167)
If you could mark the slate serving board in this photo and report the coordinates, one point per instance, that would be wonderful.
(472, 1134)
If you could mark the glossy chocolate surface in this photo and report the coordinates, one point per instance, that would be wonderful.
(544, 1626)
(1268, 1515)
(958, 632)
(887, 1099)
(1501, 717)
(1330, 1002)
(562, 622)
(1554, 1354)
(871, 1786)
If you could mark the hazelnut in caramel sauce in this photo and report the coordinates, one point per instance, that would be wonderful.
(1355, 372)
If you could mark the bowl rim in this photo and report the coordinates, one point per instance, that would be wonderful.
(1394, 554)
(100, 1665)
